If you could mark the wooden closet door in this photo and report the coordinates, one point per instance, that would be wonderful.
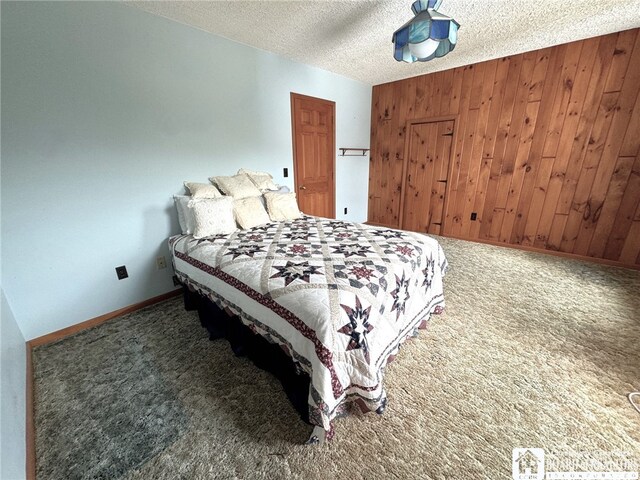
(425, 182)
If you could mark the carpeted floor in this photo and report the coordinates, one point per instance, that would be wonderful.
(532, 351)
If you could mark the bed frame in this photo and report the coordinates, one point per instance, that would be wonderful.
(244, 342)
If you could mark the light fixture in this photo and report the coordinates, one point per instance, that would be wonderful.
(428, 35)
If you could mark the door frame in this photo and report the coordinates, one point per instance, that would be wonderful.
(405, 161)
(292, 97)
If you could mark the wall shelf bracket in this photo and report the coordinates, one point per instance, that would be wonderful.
(344, 152)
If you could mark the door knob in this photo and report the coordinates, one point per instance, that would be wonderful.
(302, 187)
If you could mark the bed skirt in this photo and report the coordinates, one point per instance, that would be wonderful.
(244, 342)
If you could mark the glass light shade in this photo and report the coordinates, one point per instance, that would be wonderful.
(428, 35)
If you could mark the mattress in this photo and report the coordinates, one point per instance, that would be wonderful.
(339, 298)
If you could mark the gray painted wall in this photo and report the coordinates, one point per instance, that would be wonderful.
(106, 110)
(12, 395)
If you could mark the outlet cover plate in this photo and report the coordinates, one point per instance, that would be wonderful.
(161, 262)
(121, 272)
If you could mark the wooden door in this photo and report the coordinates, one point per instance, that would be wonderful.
(314, 154)
(428, 153)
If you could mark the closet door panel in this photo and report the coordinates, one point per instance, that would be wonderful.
(428, 155)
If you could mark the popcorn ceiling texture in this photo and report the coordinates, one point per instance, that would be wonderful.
(353, 38)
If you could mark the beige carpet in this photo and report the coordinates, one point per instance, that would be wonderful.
(532, 351)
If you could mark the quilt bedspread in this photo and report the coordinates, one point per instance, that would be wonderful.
(338, 297)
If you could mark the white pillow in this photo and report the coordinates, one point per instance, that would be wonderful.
(250, 212)
(238, 186)
(212, 216)
(185, 214)
(282, 206)
(281, 189)
(262, 180)
(202, 190)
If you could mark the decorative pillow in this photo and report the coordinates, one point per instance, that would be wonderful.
(250, 212)
(262, 180)
(238, 186)
(281, 189)
(202, 190)
(185, 214)
(282, 206)
(212, 216)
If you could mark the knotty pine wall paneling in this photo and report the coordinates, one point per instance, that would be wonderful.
(546, 147)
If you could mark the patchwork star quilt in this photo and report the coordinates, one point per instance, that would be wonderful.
(340, 298)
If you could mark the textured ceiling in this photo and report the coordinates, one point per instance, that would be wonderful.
(353, 38)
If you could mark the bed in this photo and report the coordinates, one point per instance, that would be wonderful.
(338, 298)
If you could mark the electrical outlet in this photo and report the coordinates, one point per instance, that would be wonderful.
(474, 216)
(121, 272)
(161, 262)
